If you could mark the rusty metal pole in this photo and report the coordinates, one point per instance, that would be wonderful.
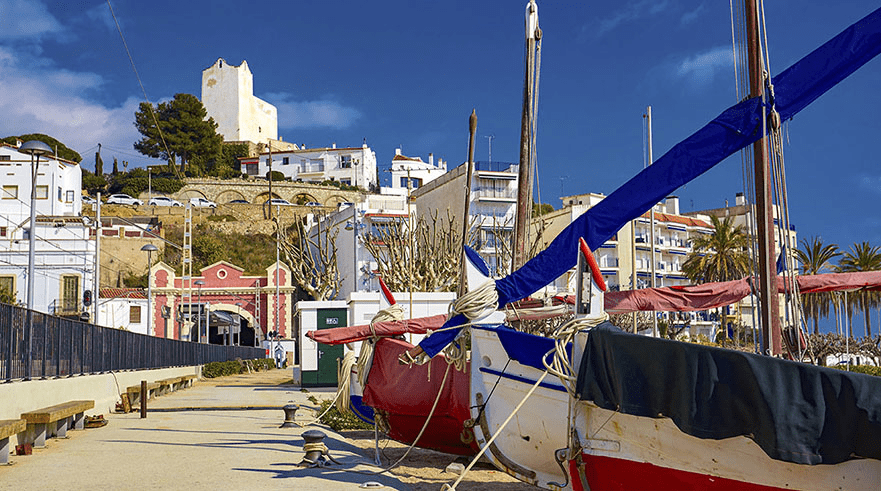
(768, 302)
(143, 399)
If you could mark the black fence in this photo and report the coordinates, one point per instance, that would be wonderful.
(59, 347)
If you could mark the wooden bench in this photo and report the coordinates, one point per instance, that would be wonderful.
(9, 427)
(167, 385)
(40, 422)
(187, 381)
(134, 391)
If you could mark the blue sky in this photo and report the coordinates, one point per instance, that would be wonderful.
(408, 73)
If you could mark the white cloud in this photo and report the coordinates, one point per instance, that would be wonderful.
(701, 68)
(25, 20)
(634, 11)
(55, 102)
(689, 17)
(325, 113)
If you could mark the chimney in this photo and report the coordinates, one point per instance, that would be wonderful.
(739, 199)
(431, 159)
(672, 205)
(397, 151)
(333, 145)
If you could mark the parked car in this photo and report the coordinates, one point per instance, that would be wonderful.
(311, 203)
(123, 199)
(88, 200)
(278, 201)
(163, 201)
(240, 201)
(202, 203)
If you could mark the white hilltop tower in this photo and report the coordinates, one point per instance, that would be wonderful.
(228, 96)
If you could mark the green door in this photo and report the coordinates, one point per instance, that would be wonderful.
(327, 354)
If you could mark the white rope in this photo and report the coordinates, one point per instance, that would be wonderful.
(477, 303)
(561, 365)
(344, 375)
(365, 358)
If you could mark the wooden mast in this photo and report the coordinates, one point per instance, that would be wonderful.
(524, 176)
(767, 288)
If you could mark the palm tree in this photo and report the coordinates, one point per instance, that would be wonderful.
(863, 257)
(815, 257)
(719, 256)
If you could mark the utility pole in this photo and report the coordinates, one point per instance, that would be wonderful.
(770, 309)
(269, 176)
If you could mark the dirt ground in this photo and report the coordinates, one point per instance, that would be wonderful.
(424, 469)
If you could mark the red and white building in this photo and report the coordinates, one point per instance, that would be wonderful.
(254, 301)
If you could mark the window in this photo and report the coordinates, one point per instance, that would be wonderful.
(4, 157)
(345, 161)
(70, 290)
(59, 193)
(416, 182)
(69, 196)
(3, 231)
(347, 182)
(10, 192)
(7, 283)
(251, 169)
(285, 161)
(134, 314)
(42, 192)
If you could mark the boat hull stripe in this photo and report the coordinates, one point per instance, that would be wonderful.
(522, 379)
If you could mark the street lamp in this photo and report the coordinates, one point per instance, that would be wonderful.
(149, 248)
(354, 226)
(199, 283)
(35, 148)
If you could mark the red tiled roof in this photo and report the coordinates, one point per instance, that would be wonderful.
(404, 157)
(122, 293)
(664, 217)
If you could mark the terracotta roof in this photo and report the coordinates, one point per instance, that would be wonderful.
(404, 157)
(122, 293)
(664, 217)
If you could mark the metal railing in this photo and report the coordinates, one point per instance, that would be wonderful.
(58, 347)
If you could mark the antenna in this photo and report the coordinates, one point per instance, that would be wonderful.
(490, 138)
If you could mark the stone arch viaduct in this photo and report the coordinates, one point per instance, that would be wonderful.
(257, 192)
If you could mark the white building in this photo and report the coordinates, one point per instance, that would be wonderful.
(413, 170)
(352, 166)
(350, 224)
(124, 308)
(64, 254)
(228, 96)
(492, 209)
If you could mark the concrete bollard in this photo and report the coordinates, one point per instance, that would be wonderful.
(290, 414)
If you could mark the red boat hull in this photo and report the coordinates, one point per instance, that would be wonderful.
(403, 396)
(610, 474)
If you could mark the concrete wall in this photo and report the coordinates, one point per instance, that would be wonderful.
(104, 389)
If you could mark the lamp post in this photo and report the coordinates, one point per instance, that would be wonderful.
(199, 283)
(354, 226)
(35, 148)
(149, 248)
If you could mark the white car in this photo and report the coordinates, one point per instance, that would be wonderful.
(163, 201)
(88, 200)
(202, 203)
(123, 199)
(278, 201)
